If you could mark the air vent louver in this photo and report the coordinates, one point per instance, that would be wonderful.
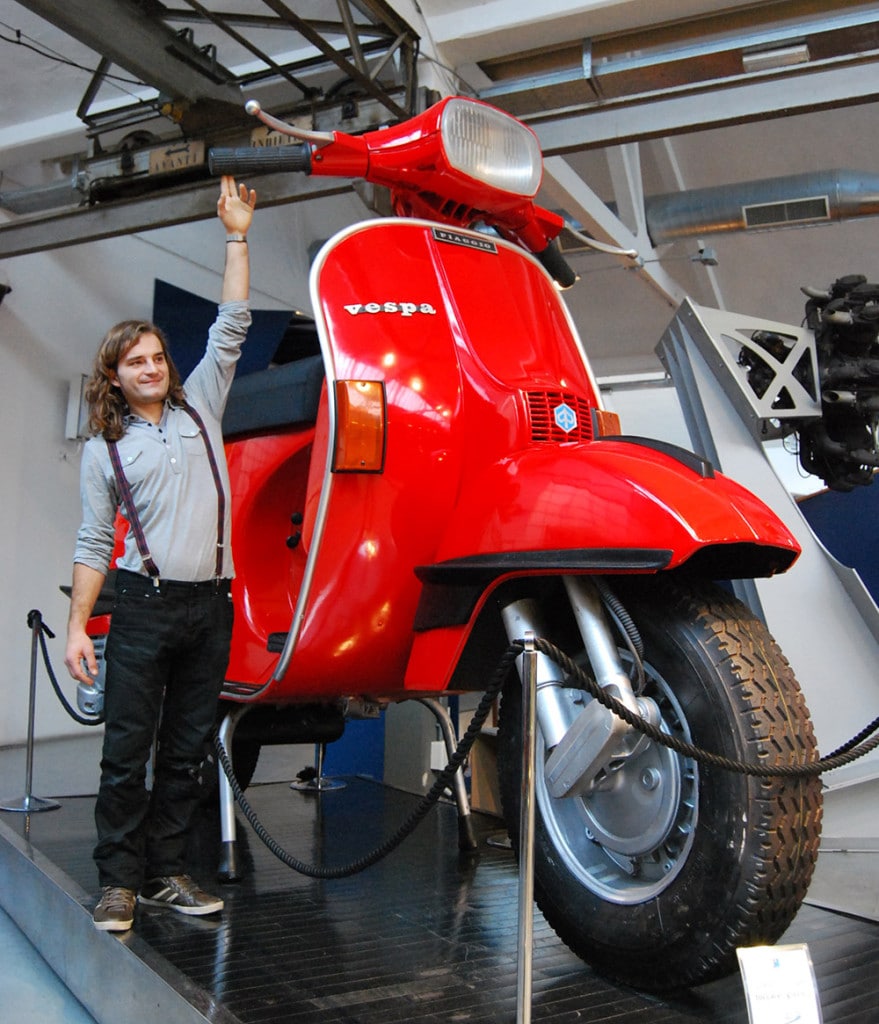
(548, 426)
(792, 211)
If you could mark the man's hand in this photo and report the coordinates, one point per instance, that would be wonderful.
(80, 648)
(235, 210)
(235, 206)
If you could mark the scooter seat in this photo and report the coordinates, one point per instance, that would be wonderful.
(277, 397)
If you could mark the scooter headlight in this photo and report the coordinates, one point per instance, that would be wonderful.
(489, 145)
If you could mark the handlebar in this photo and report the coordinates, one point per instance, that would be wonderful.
(555, 264)
(244, 161)
(376, 157)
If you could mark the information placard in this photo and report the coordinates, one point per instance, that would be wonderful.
(780, 985)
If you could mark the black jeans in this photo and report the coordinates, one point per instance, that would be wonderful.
(166, 658)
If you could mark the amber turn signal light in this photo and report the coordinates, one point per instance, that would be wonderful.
(604, 423)
(360, 426)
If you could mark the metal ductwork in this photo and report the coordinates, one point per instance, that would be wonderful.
(772, 203)
(70, 192)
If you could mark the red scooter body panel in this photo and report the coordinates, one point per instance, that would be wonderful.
(268, 474)
(477, 355)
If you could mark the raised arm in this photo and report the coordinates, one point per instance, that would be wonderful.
(235, 209)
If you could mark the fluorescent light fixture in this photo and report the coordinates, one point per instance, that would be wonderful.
(779, 57)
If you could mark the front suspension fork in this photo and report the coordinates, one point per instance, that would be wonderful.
(584, 744)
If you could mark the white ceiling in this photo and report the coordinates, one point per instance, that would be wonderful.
(674, 136)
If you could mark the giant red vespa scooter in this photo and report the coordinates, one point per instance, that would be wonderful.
(455, 485)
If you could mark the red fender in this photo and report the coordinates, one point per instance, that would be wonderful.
(614, 505)
(617, 495)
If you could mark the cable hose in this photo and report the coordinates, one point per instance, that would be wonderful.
(618, 608)
(36, 617)
(628, 630)
(409, 825)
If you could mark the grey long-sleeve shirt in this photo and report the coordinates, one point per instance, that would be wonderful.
(168, 472)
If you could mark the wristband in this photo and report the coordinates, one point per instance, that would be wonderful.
(236, 237)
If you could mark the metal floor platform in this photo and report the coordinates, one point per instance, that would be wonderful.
(425, 936)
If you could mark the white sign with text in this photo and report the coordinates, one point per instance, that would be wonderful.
(780, 985)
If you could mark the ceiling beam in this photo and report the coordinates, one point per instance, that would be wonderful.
(356, 74)
(146, 213)
(754, 98)
(144, 46)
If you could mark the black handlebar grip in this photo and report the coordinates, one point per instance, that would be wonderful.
(556, 265)
(260, 159)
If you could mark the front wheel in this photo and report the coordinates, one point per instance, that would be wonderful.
(657, 874)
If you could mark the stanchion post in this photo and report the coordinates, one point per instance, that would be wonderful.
(526, 832)
(30, 803)
(320, 783)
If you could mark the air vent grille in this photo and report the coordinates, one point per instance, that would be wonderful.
(559, 416)
(792, 211)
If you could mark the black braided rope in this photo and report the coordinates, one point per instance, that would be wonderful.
(849, 752)
(34, 618)
(868, 730)
(443, 780)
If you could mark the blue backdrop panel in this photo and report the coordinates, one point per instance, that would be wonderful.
(360, 750)
(186, 318)
(846, 524)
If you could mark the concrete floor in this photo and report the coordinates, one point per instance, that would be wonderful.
(29, 988)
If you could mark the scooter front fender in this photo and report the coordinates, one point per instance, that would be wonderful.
(614, 505)
(618, 495)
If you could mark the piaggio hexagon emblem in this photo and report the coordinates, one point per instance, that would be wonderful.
(565, 417)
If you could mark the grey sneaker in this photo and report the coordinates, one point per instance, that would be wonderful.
(115, 909)
(180, 893)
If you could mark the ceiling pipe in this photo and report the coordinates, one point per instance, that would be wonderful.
(771, 203)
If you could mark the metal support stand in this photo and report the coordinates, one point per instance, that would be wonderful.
(30, 803)
(320, 783)
(466, 836)
(229, 869)
(526, 832)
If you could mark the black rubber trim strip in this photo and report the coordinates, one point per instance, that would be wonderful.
(697, 463)
(485, 568)
(452, 588)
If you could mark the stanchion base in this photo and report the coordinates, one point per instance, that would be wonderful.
(30, 805)
(318, 785)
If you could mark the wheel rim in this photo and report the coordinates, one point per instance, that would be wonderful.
(627, 840)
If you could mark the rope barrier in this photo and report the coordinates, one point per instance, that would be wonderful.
(858, 746)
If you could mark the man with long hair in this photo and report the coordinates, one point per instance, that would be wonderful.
(157, 457)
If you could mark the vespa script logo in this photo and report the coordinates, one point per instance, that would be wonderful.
(403, 308)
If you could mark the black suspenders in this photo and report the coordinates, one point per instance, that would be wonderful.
(134, 518)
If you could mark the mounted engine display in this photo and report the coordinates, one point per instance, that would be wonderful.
(842, 446)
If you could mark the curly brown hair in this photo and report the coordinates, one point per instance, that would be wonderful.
(107, 405)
